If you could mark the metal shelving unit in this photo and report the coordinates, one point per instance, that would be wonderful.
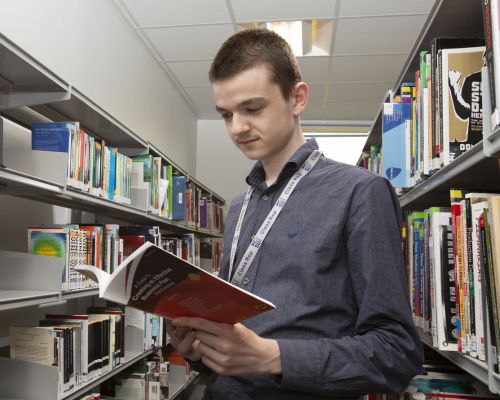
(24, 81)
(130, 359)
(29, 93)
(477, 169)
(472, 170)
(478, 369)
(447, 18)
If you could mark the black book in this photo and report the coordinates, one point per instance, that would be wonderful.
(448, 284)
(488, 280)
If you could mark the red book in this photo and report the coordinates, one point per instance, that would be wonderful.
(156, 281)
(131, 243)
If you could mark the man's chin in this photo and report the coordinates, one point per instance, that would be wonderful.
(251, 155)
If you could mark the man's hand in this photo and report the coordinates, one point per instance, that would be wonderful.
(184, 341)
(230, 349)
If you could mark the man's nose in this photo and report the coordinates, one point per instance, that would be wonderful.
(239, 124)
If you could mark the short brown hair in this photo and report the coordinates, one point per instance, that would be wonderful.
(252, 47)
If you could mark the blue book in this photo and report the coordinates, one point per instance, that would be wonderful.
(396, 143)
(51, 136)
(112, 172)
(178, 197)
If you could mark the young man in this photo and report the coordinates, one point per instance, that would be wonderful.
(331, 261)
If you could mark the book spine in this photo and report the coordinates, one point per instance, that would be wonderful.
(490, 286)
(455, 198)
(488, 55)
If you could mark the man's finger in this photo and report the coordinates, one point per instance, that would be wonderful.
(200, 324)
(211, 353)
(208, 339)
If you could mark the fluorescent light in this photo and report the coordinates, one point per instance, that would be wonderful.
(306, 38)
(291, 31)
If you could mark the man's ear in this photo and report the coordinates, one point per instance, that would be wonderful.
(300, 95)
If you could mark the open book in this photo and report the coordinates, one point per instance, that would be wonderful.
(154, 280)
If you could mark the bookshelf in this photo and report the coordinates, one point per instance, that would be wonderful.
(43, 379)
(29, 92)
(476, 169)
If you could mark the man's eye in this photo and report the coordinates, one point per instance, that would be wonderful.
(227, 116)
(253, 110)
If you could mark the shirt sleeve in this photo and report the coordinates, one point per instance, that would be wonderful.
(385, 351)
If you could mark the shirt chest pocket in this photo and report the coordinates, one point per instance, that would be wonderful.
(301, 240)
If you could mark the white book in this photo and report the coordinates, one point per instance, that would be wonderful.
(461, 100)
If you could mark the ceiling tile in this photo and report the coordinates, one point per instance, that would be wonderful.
(314, 69)
(191, 73)
(201, 96)
(366, 68)
(189, 43)
(377, 35)
(365, 111)
(384, 7)
(269, 10)
(177, 12)
(358, 91)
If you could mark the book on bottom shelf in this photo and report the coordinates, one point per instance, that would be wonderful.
(156, 281)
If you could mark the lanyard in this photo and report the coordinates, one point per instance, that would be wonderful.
(264, 229)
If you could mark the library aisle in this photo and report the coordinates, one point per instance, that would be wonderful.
(112, 151)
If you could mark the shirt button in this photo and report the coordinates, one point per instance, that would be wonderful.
(245, 281)
(253, 237)
(265, 197)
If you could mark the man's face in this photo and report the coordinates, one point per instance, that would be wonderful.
(259, 120)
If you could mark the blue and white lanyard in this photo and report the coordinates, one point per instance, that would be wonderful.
(264, 229)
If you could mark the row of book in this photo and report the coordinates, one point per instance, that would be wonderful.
(92, 165)
(372, 160)
(438, 116)
(439, 379)
(145, 181)
(84, 346)
(106, 246)
(202, 252)
(159, 377)
(453, 259)
(440, 385)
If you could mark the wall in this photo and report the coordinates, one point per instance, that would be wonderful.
(220, 165)
(90, 45)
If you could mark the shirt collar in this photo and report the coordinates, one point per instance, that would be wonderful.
(257, 174)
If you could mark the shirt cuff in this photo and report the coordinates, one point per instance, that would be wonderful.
(299, 363)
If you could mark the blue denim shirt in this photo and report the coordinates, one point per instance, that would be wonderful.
(333, 266)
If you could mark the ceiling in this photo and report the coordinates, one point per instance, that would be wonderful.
(370, 43)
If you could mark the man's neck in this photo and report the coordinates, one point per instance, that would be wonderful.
(272, 167)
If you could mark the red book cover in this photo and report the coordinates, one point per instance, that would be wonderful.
(154, 280)
(131, 243)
